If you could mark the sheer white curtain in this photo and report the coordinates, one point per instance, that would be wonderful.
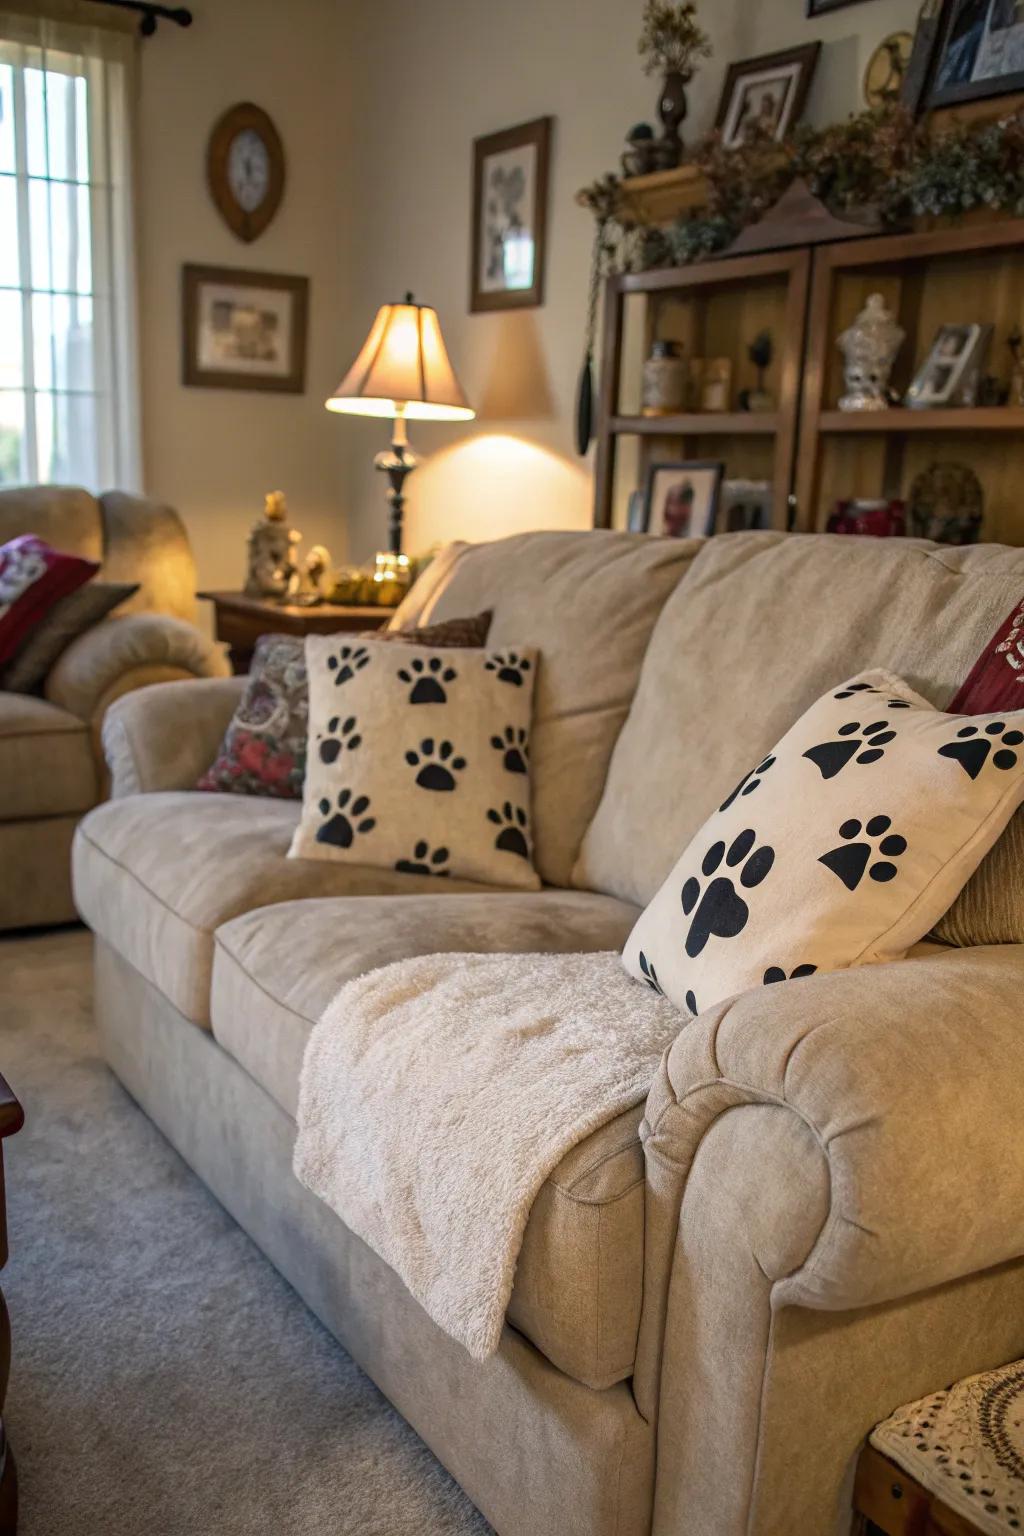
(68, 365)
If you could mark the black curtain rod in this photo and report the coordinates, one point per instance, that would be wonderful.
(150, 13)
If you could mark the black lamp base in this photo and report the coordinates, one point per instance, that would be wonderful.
(398, 463)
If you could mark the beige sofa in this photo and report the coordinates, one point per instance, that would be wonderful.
(51, 764)
(818, 1214)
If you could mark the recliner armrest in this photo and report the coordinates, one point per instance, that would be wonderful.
(94, 663)
(909, 1078)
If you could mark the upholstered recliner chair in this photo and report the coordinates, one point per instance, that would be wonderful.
(51, 766)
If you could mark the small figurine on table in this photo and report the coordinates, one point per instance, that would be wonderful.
(272, 561)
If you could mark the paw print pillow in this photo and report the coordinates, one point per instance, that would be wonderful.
(419, 762)
(844, 846)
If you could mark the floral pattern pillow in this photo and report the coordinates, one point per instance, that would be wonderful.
(264, 748)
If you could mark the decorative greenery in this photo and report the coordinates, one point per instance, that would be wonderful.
(879, 162)
(672, 39)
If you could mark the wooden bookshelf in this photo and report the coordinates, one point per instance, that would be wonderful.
(814, 454)
(715, 309)
(966, 273)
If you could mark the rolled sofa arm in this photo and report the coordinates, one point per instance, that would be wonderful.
(904, 1082)
(147, 646)
(166, 738)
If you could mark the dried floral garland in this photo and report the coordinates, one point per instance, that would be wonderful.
(880, 160)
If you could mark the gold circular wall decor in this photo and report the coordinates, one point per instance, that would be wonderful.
(245, 169)
(883, 78)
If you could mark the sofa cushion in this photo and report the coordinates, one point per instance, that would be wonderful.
(578, 1282)
(47, 766)
(155, 875)
(587, 602)
(763, 624)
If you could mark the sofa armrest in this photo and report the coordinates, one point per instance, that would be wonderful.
(89, 671)
(166, 737)
(909, 1079)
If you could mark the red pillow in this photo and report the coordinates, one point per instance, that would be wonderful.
(32, 578)
(996, 681)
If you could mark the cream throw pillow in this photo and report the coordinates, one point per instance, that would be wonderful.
(419, 760)
(844, 846)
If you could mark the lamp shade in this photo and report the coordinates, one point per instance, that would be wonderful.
(403, 369)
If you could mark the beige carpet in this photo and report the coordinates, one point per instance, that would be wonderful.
(166, 1380)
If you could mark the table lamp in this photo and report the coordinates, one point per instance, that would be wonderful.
(402, 372)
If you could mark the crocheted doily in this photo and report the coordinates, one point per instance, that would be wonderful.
(966, 1446)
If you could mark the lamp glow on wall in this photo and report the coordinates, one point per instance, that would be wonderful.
(402, 372)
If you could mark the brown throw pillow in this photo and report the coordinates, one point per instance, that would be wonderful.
(264, 747)
(65, 621)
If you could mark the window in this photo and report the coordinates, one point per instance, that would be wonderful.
(68, 390)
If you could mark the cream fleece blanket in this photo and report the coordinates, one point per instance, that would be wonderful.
(437, 1095)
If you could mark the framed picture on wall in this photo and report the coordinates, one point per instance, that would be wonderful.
(681, 499)
(978, 50)
(244, 330)
(510, 197)
(767, 93)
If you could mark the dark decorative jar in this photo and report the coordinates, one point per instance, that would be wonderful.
(672, 111)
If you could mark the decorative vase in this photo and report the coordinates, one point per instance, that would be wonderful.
(672, 111)
(870, 347)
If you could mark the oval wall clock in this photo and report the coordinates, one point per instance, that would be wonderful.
(245, 169)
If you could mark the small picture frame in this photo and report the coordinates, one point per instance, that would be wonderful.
(244, 330)
(976, 48)
(510, 199)
(769, 92)
(681, 498)
(743, 505)
(952, 370)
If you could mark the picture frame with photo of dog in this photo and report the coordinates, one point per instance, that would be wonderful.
(767, 93)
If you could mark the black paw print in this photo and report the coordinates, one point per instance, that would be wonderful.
(971, 749)
(427, 680)
(423, 862)
(749, 782)
(863, 744)
(341, 736)
(513, 821)
(514, 747)
(349, 819)
(349, 660)
(721, 911)
(436, 763)
(691, 1003)
(510, 667)
(854, 688)
(776, 973)
(650, 975)
(851, 860)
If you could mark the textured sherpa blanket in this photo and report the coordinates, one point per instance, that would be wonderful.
(437, 1095)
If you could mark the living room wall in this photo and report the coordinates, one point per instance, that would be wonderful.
(213, 453)
(429, 79)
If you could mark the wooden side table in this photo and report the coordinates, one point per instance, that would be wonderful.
(889, 1502)
(239, 621)
(11, 1120)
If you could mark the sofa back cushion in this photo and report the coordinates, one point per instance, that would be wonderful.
(67, 519)
(588, 603)
(762, 625)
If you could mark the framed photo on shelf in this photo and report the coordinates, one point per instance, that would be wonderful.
(681, 499)
(244, 330)
(743, 505)
(976, 48)
(769, 93)
(950, 372)
(510, 197)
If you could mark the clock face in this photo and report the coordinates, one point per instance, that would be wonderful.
(245, 169)
(248, 169)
